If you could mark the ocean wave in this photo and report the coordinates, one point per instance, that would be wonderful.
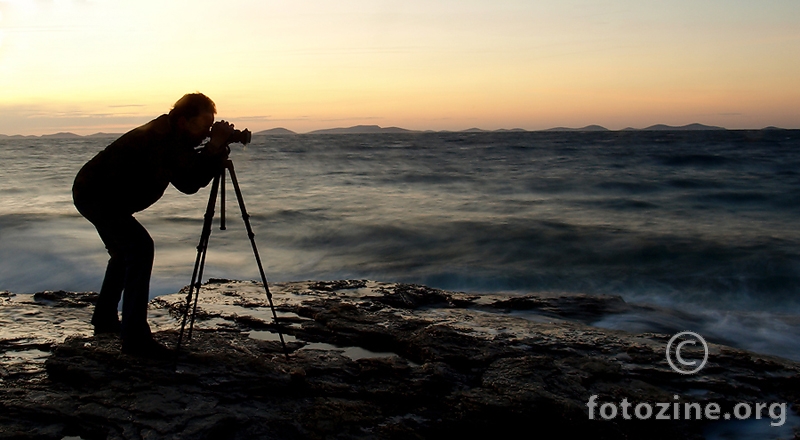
(700, 160)
(688, 219)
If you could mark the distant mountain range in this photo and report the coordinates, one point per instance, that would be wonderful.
(690, 127)
(275, 131)
(370, 129)
(62, 135)
(373, 129)
(587, 128)
(362, 129)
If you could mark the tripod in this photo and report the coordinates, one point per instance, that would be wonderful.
(218, 186)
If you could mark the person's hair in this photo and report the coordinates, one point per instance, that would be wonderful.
(191, 105)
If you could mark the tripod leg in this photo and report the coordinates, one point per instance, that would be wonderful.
(222, 201)
(202, 247)
(197, 292)
(252, 235)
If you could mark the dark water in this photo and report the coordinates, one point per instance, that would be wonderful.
(704, 222)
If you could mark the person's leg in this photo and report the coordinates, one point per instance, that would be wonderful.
(109, 226)
(139, 254)
(105, 318)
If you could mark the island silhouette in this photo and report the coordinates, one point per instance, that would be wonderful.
(376, 129)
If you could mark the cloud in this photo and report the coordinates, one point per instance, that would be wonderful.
(359, 118)
(254, 118)
(37, 120)
(304, 118)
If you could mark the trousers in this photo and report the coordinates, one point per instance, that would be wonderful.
(131, 251)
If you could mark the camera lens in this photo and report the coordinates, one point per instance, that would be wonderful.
(241, 136)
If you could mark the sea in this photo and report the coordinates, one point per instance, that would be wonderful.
(698, 227)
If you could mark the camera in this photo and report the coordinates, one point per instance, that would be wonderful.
(241, 136)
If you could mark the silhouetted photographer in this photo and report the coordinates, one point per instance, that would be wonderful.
(130, 175)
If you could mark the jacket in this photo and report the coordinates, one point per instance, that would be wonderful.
(133, 172)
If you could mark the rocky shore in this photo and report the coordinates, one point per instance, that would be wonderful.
(364, 359)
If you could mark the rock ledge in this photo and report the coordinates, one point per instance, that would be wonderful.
(366, 360)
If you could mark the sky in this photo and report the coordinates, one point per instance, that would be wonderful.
(88, 66)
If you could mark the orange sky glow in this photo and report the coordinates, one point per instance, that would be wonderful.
(88, 66)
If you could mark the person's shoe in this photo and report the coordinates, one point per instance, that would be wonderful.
(147, 348)
(106, 327)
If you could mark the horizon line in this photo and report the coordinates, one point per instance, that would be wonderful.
(376, 129)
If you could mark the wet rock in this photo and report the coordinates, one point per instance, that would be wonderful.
(412, 296)
(366, 360)
(332, 286)
(60, 298)
(586, 308)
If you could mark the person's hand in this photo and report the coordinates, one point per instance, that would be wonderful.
(220, 132)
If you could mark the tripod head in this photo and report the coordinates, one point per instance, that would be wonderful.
(237, 136)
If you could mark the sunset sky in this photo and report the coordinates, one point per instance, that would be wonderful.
(90, 66)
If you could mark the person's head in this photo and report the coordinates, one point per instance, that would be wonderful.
(193, 115)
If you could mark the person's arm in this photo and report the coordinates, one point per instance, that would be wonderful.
(221, 131)
(196, 168)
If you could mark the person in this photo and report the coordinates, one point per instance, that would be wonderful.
(130, 175)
